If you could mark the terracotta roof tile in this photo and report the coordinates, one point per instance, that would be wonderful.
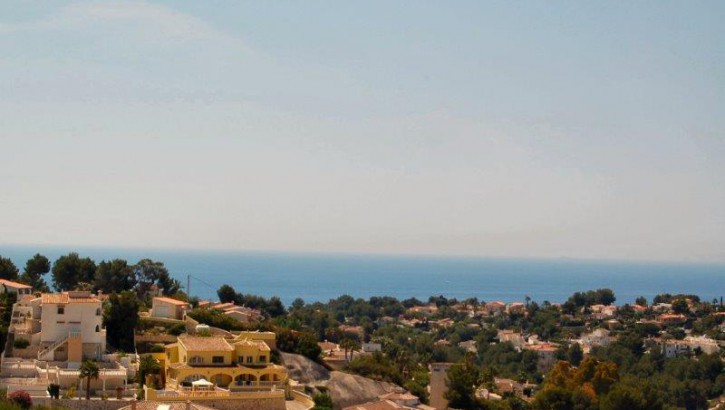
(65, 298)
(170, 300)
(205, 344)
(14, 284)
(377, 405)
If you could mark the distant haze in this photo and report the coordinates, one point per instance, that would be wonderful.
(502, 129)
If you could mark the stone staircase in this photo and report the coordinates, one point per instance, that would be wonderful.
(45, 354)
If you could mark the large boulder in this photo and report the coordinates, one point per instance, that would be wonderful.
(303, 369)
(345, 389)
(349, 389)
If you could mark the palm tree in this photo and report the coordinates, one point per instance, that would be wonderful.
(88, 370)
(147, 365)
(346, 344)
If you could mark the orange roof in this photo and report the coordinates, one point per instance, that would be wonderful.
(544, 347)
(672, 317)
(398, 396)
(327, 346)
(260, 344)
(170, 300)
(205, 344)
(14, 284)
(377, 405)
(65, 298)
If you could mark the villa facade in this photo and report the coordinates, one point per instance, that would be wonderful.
(239, 364)
(51, 334)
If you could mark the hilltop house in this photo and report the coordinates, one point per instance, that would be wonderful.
(168, 308)
(8, 286)
(241, 363)
(61, 330)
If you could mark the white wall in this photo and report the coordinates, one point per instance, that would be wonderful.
(85, 313)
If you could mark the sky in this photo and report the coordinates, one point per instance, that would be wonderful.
(496, 129)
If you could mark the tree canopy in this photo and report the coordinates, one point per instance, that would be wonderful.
(71, 269)
(35, 268)
(8, 270)
(114, 276)
(120, 318)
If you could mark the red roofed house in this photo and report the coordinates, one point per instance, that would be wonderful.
(8, 286)
(168, 308)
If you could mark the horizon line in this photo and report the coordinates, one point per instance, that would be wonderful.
(374, 254)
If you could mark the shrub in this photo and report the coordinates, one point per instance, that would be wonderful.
(323, 401)
(70, 393)
(54, 391)
(177, 329)
(157, 348)
(21, 343)
(21, 398)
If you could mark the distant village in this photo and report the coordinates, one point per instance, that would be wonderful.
(127, 336)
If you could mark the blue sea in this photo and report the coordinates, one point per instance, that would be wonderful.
(320, 277)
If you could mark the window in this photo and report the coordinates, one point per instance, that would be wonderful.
(98, 312)
(61, 310)
(249, 359)
(217, 359)
(262, 359)
(196, 360)
(98, 328)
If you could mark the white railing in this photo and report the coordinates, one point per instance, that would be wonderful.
(217, 392)
(51, 348)
(102, 373)
(257, 385)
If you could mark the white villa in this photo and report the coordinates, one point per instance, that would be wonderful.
(61, 330)
(8, 286)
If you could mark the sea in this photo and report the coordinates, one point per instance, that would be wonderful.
(319, 277)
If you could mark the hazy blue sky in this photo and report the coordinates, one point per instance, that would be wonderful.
(533, 129)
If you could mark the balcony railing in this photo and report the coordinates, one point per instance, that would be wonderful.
(234, 386)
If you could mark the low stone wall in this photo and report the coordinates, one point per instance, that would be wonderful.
(247, 404)
(304, 399)
(268, 400)
(83, 404)
(234, 404)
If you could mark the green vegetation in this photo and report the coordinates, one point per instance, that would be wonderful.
(114, 276)
(21, 343)
(215, 318)
(120, 317)
(35, 268)
(88, 370)
(147, 366)
(272, 307)
(323, 401)
(8, 270)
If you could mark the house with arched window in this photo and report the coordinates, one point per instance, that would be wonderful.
(240, 364)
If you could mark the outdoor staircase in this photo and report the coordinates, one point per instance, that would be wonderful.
(45, 353)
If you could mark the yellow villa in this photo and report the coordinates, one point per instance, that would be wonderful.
(239, 364)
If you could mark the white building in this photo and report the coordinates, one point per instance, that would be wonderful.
(515, 338)
(8, 286)
(62, 330)
(168, 308)
(688, 345)
(599, 337)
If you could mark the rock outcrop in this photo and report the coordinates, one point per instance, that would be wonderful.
(345, 389)
(303, 369)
